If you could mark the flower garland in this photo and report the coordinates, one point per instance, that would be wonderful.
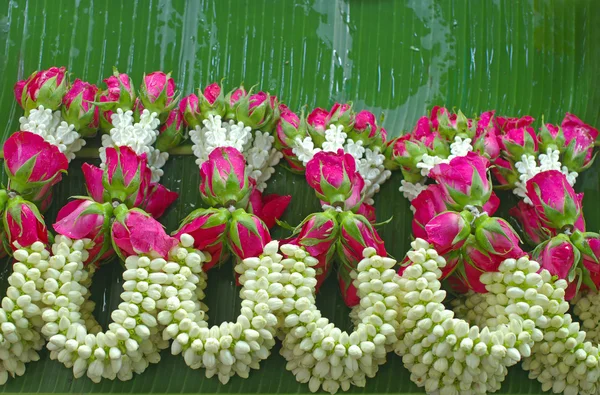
(236, 158)
(57, 115)
(319, 353)
(90, 229)
(355, 133)
(449, 355)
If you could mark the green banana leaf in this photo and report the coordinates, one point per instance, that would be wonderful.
(395, 58)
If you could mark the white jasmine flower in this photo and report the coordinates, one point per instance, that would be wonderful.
(335, 137)
(50, 126)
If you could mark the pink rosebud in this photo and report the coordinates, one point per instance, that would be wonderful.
(448, 231)
(119, 94)
(211, 101)
(464, 180)
(231, 101)
(427, 204)
(208, 228)
(556, 255)
(518, 142)
(534, 230)
(318, 119)
(23, 223)
(365, 127)
(492, 205)
(356, 234)
(158, 198)
(43, 88)
(171, 132)
(437, 112)
(269, 208)
(259, 111)
(341, 114)
(554, 200)
(318, 234)
(93, 181)
(507, 123)
(497, 237)
(486, 137)
(588, 244)
(579, 140)
(224, 180)
(190, 109)
(79, 109)
(33, 165)
(288, 128)
(451, 125)
(86, 219)
(134, 232)
(334, 178)
(158, 93)
(247, 235)
(127, 176)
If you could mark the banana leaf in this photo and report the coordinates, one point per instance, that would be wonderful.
(395, 58)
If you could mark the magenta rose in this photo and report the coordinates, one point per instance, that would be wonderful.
(23, 223)
(119, 94)
(135, 232)
(269, 208)
(496, 236)
(157, 199)
(464, 180)
(247, 235)
(579, 141)
(211, 101)
(259, 111)
(334, 177)
(42, 88)
(190, 110)
(127, 176)
(556, 255)
(79, 108)
(208, 227)
(427, 205)
(507, 123)
(33, 165)
(224, 180)
(554, 200)
(318, 233)
(365, 127)
(158, 93)
(171, 132)
(518, 142)
(86, 219)
(448, 231)
(534, 230)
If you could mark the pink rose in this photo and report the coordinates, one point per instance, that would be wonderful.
(334, 178)
(157, 199)
(134, 233)
(43, 88)
(448, 231)
(224, 180)
(427, 204)
(86, 219)
(33, 165)
(556, 255)
(127, 176)
(158, 93)
(579, 141)
(247, 235)
(554, 200)
(189, 108)
(79, 109)
(534, 230)
(23, 223)
(208, 228)
(171, 132)
(464, 180)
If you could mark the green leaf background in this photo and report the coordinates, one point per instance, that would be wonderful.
(397, 58)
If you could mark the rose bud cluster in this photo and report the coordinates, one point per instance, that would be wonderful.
(455, 215)
(257, 110)
(342, 230)
(553, 223)
(436, 139)
(126, 180)
(524, 152)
